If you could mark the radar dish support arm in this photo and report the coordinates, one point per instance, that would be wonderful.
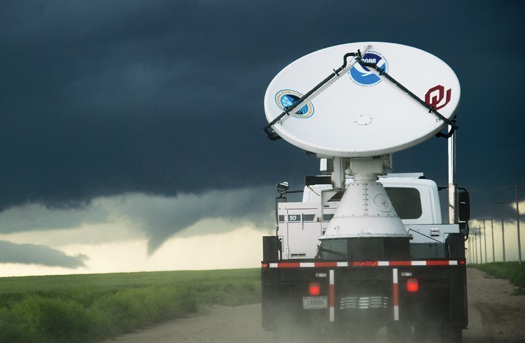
(382, 73)
(272, 135)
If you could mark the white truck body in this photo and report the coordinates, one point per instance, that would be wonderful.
(301, 224)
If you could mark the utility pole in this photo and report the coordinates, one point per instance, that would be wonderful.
(501, 203)
(517, 188)
(471, 249)
(474, 249)
(492, 229)
(485, 237)
(469, 255)
(480, 248)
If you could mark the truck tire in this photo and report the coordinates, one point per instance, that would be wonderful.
(400, 334)
(295, 335)
(452, 334)
(438, 334)
(428, 333)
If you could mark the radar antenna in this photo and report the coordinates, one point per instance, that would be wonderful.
(358, 116)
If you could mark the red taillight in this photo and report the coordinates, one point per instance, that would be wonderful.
(314, 288)
(265, 265)
(412, 285)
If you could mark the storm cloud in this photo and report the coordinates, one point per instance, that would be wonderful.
(101, 98)
(161, 218)
(160, 104)
(38, 254)
(157, 217)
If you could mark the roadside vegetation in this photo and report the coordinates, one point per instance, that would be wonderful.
(93, 307)
(512, 271)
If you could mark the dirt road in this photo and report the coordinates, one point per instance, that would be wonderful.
(495, 316)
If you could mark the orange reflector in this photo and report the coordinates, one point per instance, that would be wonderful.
(363, 264)
(314, 288)
(412, 285)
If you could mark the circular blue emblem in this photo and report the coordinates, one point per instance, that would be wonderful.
(287, 97)
(363, 75)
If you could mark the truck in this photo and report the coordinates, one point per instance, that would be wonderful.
(356, 287)
(366, 253)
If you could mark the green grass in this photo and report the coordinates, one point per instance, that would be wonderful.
(91, 307)
(512, 271)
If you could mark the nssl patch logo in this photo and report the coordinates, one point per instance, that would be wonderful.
(288, 97)
(364, 76)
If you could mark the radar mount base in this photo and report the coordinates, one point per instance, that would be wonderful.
(365, 211)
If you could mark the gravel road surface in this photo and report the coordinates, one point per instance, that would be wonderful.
(495, 316)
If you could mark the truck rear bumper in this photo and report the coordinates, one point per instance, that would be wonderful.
(377, 294)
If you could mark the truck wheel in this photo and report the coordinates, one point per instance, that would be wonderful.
(282, 336)
(438, 334)
(452, 334)
(428, 333)
(294, 335)
(400, 334)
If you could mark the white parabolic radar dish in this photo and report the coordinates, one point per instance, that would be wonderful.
(361, 112)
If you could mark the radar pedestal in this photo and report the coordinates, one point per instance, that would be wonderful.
(365, 216)
(365, 209)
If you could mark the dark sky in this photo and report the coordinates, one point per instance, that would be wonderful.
(100, 98)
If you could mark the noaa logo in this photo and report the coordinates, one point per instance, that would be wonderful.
(364, 76)
(288, 97)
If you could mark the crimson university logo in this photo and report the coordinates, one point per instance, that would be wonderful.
(437, 98)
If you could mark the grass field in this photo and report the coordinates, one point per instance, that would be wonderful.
(512, 271)
(91, 307)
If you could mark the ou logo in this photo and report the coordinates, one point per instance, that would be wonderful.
(437, 98)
